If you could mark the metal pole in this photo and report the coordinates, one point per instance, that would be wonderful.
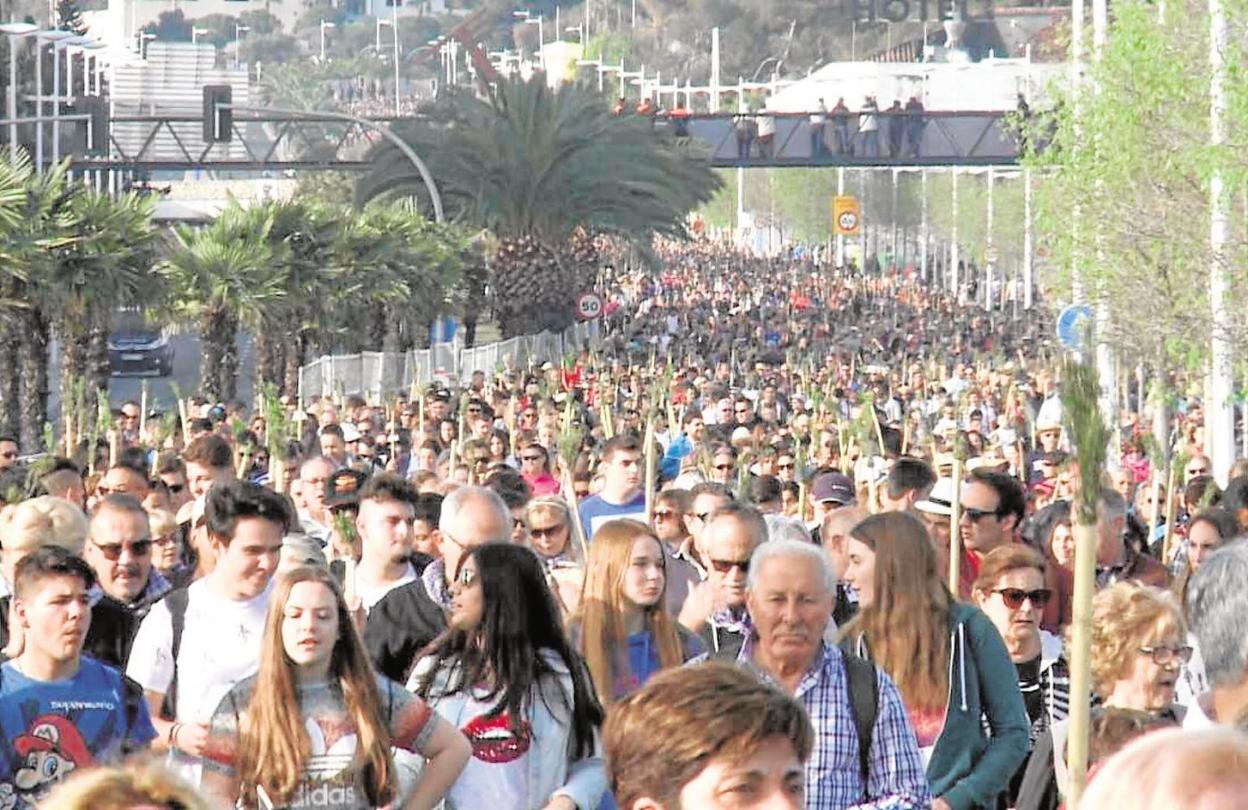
(1027, 241)
(953, 240)
(840, 237)
(12, 98)
(394, 23)
(714, 70)
(38, 104)
(923, 236)
(56, 103)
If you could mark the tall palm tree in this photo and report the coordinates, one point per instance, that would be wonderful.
(222, 276)
(535, 166)
(13, 276)
(105, 262)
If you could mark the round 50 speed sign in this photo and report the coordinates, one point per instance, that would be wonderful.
(848, 220)
(588, 306)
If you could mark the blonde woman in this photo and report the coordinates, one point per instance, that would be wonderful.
(550, 536)
(623, 628)
(316, 717)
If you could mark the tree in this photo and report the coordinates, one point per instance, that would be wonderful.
(221, 276)
(14, 264)
(69, 18)
(535, 167)
(170, 26)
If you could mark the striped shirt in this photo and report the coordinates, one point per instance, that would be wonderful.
(896, 780)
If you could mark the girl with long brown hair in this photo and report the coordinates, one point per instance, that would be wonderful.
(315, 726)
(946, 658)
(622, 627)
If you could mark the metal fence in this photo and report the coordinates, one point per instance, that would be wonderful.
(380, 375)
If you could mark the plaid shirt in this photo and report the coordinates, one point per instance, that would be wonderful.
(897, 779)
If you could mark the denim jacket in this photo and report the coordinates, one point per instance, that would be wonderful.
(552, 772)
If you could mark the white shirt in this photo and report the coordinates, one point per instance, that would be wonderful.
(221, 641)
(371, 594)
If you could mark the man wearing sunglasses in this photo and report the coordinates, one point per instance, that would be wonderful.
(119, 550)
(716, 609)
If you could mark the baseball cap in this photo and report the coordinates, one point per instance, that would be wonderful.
(833, 486)
(350, 433)
(940, 500)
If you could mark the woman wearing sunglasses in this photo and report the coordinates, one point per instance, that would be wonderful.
(1011, 591)
(535, 467)
(506, 676)
(316, 725)
(623, 628)
(550, 536)
(956, 679)
(1138, 647)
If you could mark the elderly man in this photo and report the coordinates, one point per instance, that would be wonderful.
(1216, 605)
(314, 517)
(1116, 560)
(119, 549)
(857, 758)
(716, 608)
(410, 616)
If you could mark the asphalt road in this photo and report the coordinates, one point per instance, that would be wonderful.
(160, 395)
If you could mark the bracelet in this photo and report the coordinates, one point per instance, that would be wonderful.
(173, 735)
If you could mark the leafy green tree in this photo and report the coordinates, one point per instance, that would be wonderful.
(14, 274)
(536, 167)
(69, 18)
(170, 26)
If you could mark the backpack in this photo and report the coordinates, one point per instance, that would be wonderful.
(863, 681)
(176, 601)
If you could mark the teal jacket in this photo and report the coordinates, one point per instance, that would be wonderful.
(985, 737)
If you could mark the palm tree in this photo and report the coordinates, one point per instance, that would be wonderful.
(105, 263)
(13, 276)
(222, 276)
(536, 166)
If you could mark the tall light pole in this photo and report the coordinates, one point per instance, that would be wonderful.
(530, 19)
(15, 32)
(394, 26)
(40, 38)
(59, 45)
(1220, 414)
(324, 25)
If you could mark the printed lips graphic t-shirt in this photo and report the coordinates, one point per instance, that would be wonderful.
(52, 729)
(496, 775)
(330, 782)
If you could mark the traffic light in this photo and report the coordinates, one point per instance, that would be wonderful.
(218, 113)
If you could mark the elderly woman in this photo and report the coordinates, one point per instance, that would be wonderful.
(1012, 593)
(550, 535)
(1138, 646)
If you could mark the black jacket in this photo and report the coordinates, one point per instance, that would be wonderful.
(400, 626)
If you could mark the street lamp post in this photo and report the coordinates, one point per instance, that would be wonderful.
(195, 32)
(40, 38)
(324, 25)
(394, 25)
(60, 44)
(14, 31)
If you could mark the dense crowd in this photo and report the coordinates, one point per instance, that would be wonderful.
(791, 537)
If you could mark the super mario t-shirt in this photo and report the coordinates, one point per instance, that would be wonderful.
(52, 729)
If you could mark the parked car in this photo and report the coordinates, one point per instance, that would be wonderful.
(138, 347)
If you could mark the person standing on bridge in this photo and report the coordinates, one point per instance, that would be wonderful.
(817, 121)
(840, 126)
(869, 128)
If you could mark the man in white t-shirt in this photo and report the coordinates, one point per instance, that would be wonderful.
(221, 619)
(387, 510)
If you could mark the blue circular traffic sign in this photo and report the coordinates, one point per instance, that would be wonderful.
(1073, 323)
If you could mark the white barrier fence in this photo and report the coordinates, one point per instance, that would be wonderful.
(380, 375)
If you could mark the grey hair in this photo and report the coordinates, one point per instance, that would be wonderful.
(792, 548)
(474, 498)
(1217, 602)
(1110, 505)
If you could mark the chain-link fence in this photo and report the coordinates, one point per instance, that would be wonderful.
(380, 375)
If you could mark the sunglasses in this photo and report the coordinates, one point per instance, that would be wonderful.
(466, 577)
(664, 514)
(1014, 597)
(722, 467)
(725, 566)
(788, 466)
(976, 515)
(1167, 655)
(112, 551)
(531, 458)
(549, 531)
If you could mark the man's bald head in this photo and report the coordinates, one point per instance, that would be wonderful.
(471, 516)
(122, 480)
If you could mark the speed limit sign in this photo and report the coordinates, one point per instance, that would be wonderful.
(588, 306)
(846, 215)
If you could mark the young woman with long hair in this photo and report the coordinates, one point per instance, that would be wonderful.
(946, 658)
(505, 674)
(622, 626)
(316, 724)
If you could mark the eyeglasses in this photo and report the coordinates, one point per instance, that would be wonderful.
(112, 551)
(664, 514)
(725, 566)
(549, 531)
(782, 466)
(976, 515)
(531, 458)
(1014, 597)
(165, 540)
(518, 523)
(175, 489)
(1162, 655)
(466, 577)
(722, 467)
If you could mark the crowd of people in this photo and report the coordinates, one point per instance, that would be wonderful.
(706, 565)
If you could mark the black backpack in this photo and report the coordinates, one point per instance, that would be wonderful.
(176, 601)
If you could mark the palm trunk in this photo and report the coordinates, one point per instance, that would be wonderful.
(75, 349)
(229, 360)
(10, 380)
(212, 336)
(33, 358)
(98, 371)
(295, 349)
